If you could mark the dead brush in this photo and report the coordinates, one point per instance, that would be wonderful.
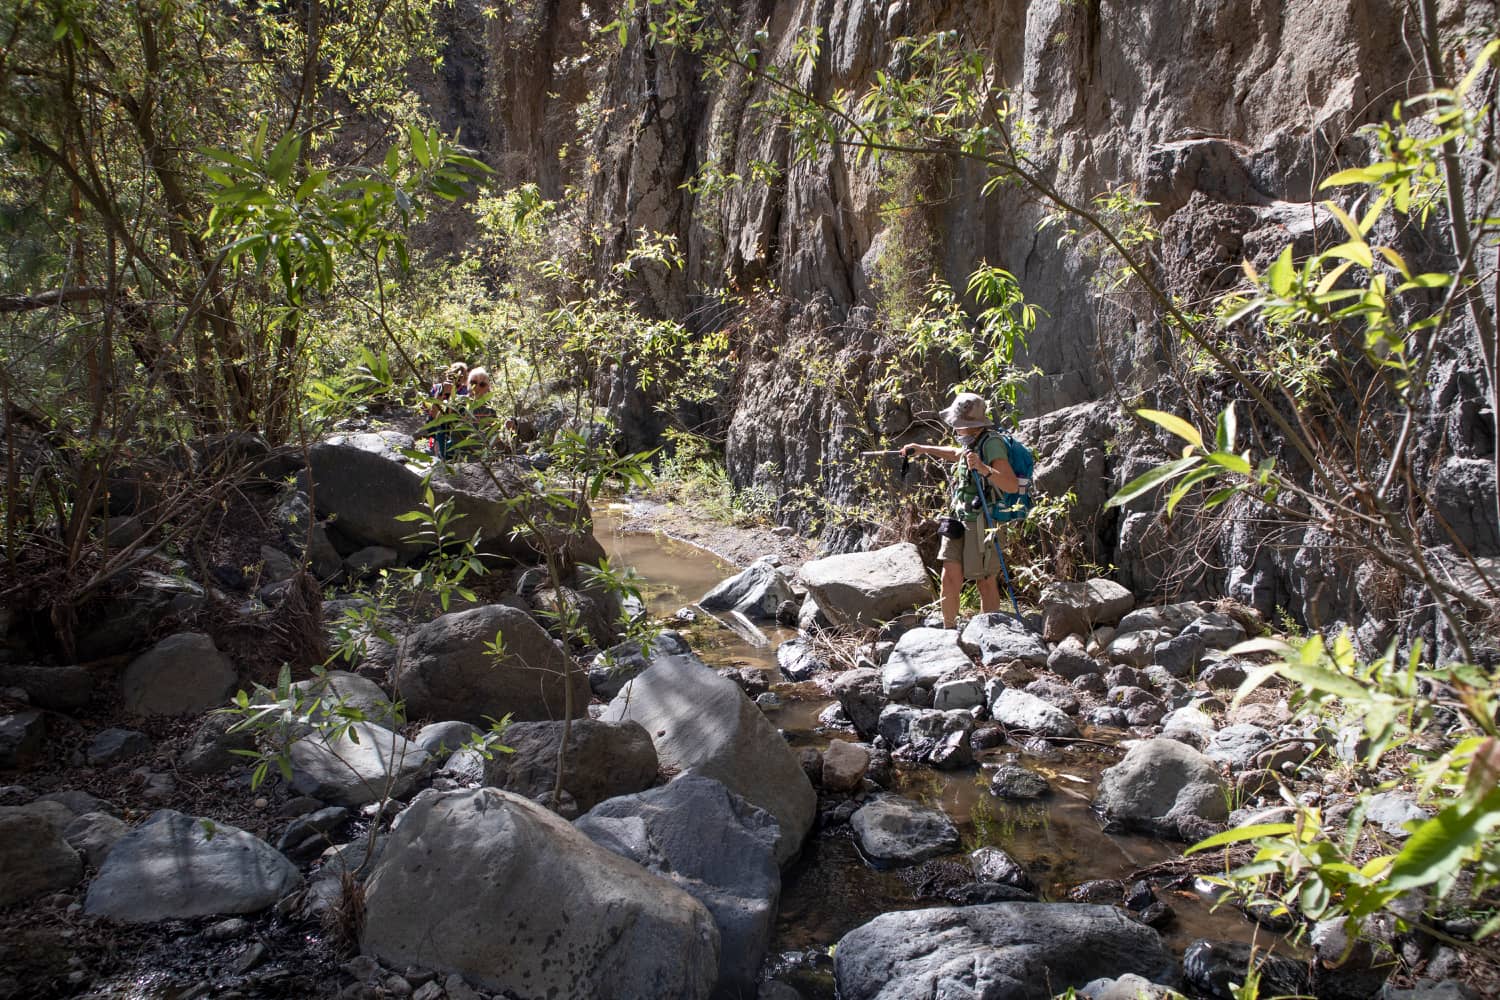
(842, 647)
(345, 922)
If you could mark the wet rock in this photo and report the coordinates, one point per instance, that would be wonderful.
(610, 670)
(21, 737)
(987, 737)
(1126, 987)
(1075, 608)
(603, 759)
(1238, 745)
(112, 745)
(1165, 787)
(844, 766)
(212, 749)
(834, 717)
(862, 697)
(1099, 890)
(1018, 710)
(57, 689)
(897, 723)
(983, 893)
(868, 588)
(184, 674)
(34, 856)
(952, 752)
(1158, 915)
(798, 660)
(1011, 781)
(363, 764)
(923, 656)
(701, 722)
(991, 864)
(1108, 717)
(173, 867)
(1212, 966)
(1003, 951)
(449, 670)
(755, 593)
(899, 831)
(1071, 660)
(997, 638)
(713, 845)
(441, 739)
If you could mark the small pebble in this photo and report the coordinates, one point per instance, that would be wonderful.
(262, 802)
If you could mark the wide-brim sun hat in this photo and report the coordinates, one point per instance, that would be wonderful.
(968, 410)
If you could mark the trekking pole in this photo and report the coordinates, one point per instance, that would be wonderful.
(994, 537)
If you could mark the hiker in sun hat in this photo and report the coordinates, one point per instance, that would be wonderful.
(968, 550)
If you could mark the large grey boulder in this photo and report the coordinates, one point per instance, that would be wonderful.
(703, 723)
(1015, 709)
(184, 674)
(57, 689)
(998, 638)
(1164, 787)
(868, 588)
(756, 592)
(362, 482)
(34, 857)
(714, 846)
(499, 890)
(1075, 608)
(362, 764)
(174, 866)
(861, 695)
(603, 759)
(898, 831)
(441, 739)
(340, 689)
(446, 670)
(94, 834)
(1001, 951)
(146, 600)
(923, 656)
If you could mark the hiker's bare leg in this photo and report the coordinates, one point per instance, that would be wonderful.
(953, 585)
(989, 594)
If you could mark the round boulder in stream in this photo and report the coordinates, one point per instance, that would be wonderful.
(1164, 787)
(1001, 951)
(898, 831)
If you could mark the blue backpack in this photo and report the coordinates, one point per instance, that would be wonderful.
(1012, 506)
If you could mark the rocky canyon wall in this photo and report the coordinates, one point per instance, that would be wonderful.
(1223, 114)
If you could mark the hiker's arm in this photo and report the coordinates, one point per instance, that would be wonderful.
(932, 451)
(997, 471)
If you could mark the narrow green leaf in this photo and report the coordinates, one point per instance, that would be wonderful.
(1174, 424)
(1438, 846)
(1359, 175)
(1144, 483)
(1356, 250)
(1281, 273)
(1240, 834)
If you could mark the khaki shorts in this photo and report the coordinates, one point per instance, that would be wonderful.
(975, 550)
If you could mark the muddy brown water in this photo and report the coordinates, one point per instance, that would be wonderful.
(832, 889)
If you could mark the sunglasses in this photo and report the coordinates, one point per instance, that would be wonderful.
(480, 383)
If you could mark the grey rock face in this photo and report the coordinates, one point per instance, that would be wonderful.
(1002, 951)
(609, 672)
(448, 671)
(603, 760)
(34, 857)
(923, 656)
(453, 856)
(364, 764)
(118, 624)
(755, 593)
(1013, 782)
(1216, 630)
(1212, 966)
(57, 689)
(364, 485)
(112, 745)
(963, 692)
(899, 831)
(1019, 710)
(1168, 618)
(862, 697)
(1391, 811)
(868, 588)
(1070, 659)
(212, 748)
(1178, 655)
(998, 638)
(844, 766)
(713, 845)
(21, 737)
(703, 723)
(341, 689)
(93, 834)
(170, 867)
(440, 739)
(1165, 787)
(182, 675)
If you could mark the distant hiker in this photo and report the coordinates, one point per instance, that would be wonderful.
(441, 396)
(479, 388)
(966, 552)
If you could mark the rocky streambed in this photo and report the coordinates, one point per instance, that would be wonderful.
(801, 788)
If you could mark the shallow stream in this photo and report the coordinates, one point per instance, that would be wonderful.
(831, 888)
